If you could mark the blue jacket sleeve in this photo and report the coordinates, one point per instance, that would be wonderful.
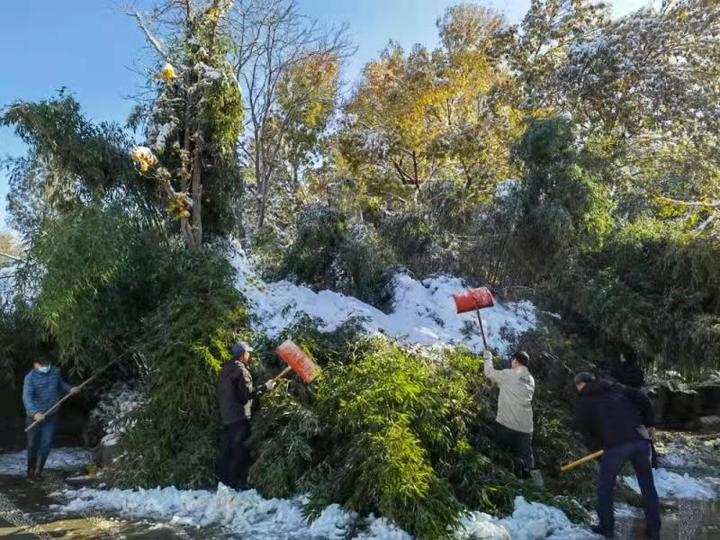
(30, 406)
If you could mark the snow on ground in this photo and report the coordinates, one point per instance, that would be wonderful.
(244, 513)
(672, 485)
(424, 311)
(699, 453)
(529, 521)
(252, 517)
(15, 463)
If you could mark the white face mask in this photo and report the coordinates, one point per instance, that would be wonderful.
(43, 369)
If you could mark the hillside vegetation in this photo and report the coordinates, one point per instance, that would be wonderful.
(570, 160)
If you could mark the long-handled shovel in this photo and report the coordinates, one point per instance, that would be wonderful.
(297, 361)
(68, 396)
(474, 300)
(582, 460)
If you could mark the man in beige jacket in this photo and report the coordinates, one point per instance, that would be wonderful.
(515, 414)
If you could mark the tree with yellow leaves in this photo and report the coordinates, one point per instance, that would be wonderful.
(450, 113)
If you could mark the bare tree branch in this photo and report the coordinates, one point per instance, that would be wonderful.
(150, 37)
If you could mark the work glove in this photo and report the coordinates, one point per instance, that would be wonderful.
(487, 355)
(269, 385)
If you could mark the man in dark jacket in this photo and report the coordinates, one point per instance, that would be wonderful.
(43, 387)
(236, 396)
(626, 370)
(620, 421)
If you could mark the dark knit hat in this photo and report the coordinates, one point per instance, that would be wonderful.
(584, 377)
(522, 357)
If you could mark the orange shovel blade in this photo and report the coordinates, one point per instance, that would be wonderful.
(294, 357)
(473, 299)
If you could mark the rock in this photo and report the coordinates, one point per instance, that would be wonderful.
(709, 398)
(675, 407)
(105, 454)
(709, 424)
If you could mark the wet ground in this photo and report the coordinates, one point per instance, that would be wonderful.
(25, 514)
(681, 520)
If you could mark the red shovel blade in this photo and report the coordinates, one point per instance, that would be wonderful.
(294, 357)
(473, 299)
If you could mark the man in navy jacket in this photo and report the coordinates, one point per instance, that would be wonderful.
(43, 387)
(619, 420)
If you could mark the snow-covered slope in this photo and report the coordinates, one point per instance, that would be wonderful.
(423, 314)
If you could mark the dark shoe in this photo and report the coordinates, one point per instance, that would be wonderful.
(31, 475)
(597, 530)
(40, 467)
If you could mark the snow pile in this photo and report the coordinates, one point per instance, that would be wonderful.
(424, 311)
(529, 521)
(243, 513)
(671, 485)
(688, 451)
(15, 463)
(248, 515)
(113, 412)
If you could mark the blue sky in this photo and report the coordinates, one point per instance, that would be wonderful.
(91, 47)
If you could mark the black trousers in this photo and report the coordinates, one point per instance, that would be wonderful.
(637, 453)
(520, 446)
(234, 458)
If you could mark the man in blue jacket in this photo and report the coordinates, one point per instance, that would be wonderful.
(619, 420)
(43, 387)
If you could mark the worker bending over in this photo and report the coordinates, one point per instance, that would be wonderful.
(619, 420)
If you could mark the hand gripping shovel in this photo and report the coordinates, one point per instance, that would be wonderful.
(474, 300)
(297, 361)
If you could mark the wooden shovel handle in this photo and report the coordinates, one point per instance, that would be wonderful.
(482, 329)
(280, 375)
(582, 460)
(80, 387)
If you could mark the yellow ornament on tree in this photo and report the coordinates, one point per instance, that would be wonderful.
(168, 72)
(143, 156)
